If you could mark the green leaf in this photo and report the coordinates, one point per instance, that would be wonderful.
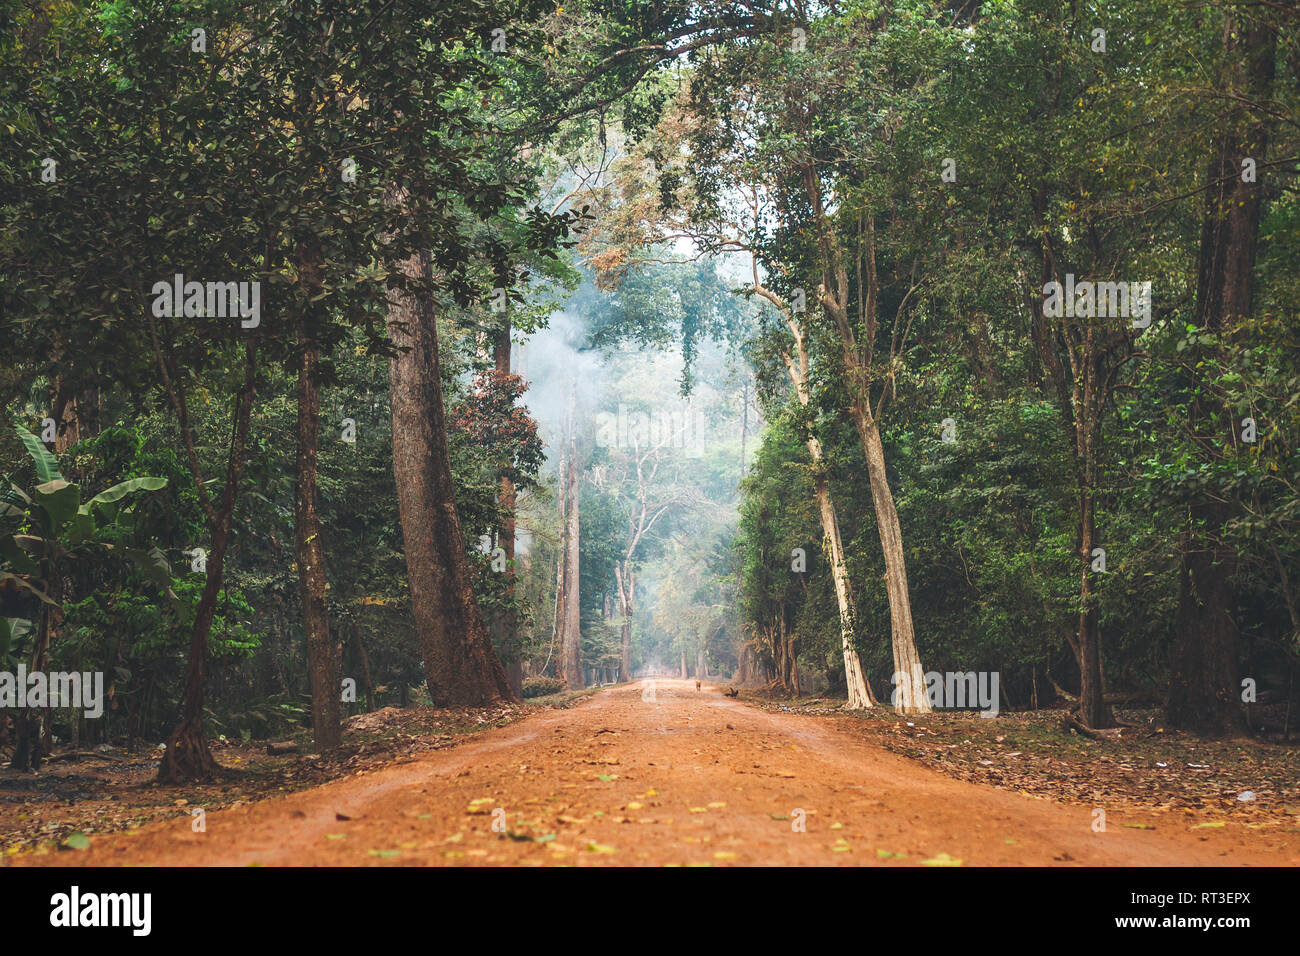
(47, 467)
(16, 556)
(14, 502)
(61, 499)
(82, 527)
(77, 841)
(124, 488)
(152, 562)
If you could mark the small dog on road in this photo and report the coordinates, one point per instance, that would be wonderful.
(697, 685)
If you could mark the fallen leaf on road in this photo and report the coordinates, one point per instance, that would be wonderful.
(943, 859)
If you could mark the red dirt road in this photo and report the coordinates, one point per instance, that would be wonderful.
(688, 778)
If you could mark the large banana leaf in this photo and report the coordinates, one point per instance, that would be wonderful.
(124, 488)
(47, 468)
(61, 500)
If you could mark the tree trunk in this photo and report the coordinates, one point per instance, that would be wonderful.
(797, 364)
(571, 646)
(1093, 710)
(1204, 691)
(834, 294)
(622, 577)
(363, 659)
(859, 693)
(186, 756)
(322, 653)
(907, 661)
(460, 666)
(561, 562)
(505, 626)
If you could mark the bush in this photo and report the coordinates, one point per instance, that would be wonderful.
(541, 686)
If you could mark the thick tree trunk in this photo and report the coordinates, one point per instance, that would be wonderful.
(1203, 692)
(186, 756)
(460, 666)
(322, 652)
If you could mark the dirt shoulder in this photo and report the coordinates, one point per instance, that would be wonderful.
(1143, 766)
(111, 789)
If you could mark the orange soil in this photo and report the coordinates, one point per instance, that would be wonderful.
(693, 778)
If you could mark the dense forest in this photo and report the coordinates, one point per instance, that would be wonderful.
(397, 354)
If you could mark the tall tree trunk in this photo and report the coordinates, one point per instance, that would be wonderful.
(322, 652)
(797, 365)
(858, 691)
(571, 646)
(561, 565)
(460, 666)
(907, 661)
(834, 294)
(1203, 692)
(186, 756)
(505, 625)
(623, 578)
(1093, 710)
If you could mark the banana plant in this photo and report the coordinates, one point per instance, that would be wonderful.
(41, 532)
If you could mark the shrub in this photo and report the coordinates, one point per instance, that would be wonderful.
(541, 686)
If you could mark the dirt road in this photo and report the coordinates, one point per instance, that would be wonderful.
(689, 778)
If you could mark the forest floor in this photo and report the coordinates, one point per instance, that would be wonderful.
(694, 778)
